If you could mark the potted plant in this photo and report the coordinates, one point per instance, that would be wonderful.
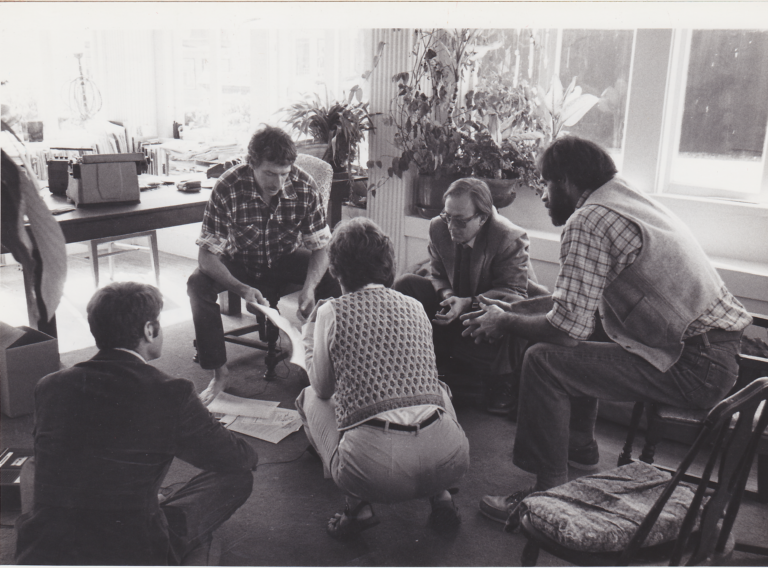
(336, 127)
(501, 137)
(425, 112)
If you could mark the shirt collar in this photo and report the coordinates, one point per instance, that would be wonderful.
(132, 352)
(584, 197)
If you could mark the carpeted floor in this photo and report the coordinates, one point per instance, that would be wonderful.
(283, 522)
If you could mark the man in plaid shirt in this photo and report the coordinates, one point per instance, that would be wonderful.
(667, 330)
(258, 216)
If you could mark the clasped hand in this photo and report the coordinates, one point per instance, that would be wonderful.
(487, 323)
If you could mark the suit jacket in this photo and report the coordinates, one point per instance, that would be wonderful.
(106, 432)
(499, 261)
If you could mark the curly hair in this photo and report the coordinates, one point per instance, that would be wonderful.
(117, 313)
(360, 253)
(273, 145)
(584, 163)
(477, 190)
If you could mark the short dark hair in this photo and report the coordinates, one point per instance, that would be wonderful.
(273, 145)
(477, 190)
(584, 163)
(360, 253)
(118, 312)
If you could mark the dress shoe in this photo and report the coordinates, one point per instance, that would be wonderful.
(505, 508)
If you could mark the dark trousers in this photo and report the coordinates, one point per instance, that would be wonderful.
(201, 506)
(203, 292)
(178, 530)
(484, 358)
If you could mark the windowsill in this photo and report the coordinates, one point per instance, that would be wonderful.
(744, 278)
(715, 201)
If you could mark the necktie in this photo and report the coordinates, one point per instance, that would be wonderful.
(461, 283)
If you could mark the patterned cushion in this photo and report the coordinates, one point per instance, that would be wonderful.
(600, 513)
(320, 171)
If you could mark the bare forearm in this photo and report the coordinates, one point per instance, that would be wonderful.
(534, 306)
(318, 264)
(211, 265)
(536, 327)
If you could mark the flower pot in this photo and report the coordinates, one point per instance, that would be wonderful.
(316, 149)
(428, 193)
(502, 190)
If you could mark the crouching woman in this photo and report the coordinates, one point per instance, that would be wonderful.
(375, 411)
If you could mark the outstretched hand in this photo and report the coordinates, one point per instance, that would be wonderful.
(489, 323)
(453, 307)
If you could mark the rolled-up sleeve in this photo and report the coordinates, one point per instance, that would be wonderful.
(315, 233)
(214, 232)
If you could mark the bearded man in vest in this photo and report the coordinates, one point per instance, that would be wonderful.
(634, 280)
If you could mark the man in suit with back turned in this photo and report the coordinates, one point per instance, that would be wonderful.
(473, 250)
(106, 432)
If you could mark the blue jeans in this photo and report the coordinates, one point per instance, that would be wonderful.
(554, 376)
(381, 466)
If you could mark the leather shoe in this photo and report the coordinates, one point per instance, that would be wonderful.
(505, 508)
(501, 406)
(501, 399)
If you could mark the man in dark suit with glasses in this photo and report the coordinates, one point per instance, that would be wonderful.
(473, 250)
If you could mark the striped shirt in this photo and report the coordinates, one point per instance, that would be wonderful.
(596, 245)
(239, 225)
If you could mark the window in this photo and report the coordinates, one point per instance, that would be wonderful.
(600, 62)
(722, 113)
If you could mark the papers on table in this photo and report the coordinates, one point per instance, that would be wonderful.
(257, 418)
(297, 351)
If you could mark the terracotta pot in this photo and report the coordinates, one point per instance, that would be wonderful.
(502, 190)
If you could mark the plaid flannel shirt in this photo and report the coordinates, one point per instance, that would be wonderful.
(239, 225)
(596, 245)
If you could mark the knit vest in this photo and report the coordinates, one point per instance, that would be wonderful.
(382, 354)
(671, 283)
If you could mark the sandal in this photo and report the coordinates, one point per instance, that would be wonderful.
(445, 515)
(346, 524)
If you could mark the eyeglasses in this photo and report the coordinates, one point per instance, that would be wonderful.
(458, 223)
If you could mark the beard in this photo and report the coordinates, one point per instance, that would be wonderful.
(560, 209)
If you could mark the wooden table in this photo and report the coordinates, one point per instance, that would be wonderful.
(159, 208)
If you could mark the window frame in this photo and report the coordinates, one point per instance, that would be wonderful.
(675, 103)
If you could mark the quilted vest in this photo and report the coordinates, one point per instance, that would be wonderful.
(671, 283)
(382, 354)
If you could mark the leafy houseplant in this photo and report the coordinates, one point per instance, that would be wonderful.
(490, 132)
(340, 125)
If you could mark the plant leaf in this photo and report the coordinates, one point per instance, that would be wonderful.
(576, 109)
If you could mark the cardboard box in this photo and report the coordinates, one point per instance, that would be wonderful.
(105, 178)
(11, 461)
(26, 356)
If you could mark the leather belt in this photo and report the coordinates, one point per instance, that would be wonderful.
(402, 427)
(714, 336)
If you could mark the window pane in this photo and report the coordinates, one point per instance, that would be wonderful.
(600, 61)
(725, 111)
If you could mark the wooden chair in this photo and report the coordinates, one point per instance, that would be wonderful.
(662, 417)
(117, 247)
(640, 514)
(229, 303)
